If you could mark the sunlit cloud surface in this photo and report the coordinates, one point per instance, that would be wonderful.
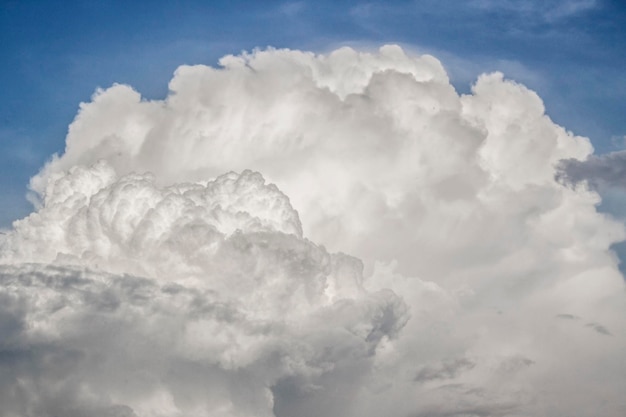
(292, 234)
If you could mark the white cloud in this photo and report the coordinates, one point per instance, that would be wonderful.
(215, 299)
(188, 291)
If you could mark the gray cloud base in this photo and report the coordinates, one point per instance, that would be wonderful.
(78, 343)
(598, 170)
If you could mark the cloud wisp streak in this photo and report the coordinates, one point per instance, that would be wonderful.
(549, 11)
(188, 255)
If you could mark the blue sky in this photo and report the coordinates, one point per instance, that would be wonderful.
(56, 54)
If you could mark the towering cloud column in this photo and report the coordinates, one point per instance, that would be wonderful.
(188, 255)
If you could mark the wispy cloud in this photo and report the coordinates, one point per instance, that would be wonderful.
(292, 9)
(550, 11)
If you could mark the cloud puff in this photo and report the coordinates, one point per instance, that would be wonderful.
(92, 216)
(192, 299)
(150, 283)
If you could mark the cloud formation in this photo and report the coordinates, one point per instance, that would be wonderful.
(187, 256)
(370, 148)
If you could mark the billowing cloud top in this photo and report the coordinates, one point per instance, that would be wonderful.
(163, 276)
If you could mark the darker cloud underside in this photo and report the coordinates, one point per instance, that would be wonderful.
(597, 170)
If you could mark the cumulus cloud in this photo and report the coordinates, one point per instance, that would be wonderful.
(188, 256)
(370, 148)
(192, 299)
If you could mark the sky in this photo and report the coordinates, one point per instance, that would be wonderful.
(313, 209)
